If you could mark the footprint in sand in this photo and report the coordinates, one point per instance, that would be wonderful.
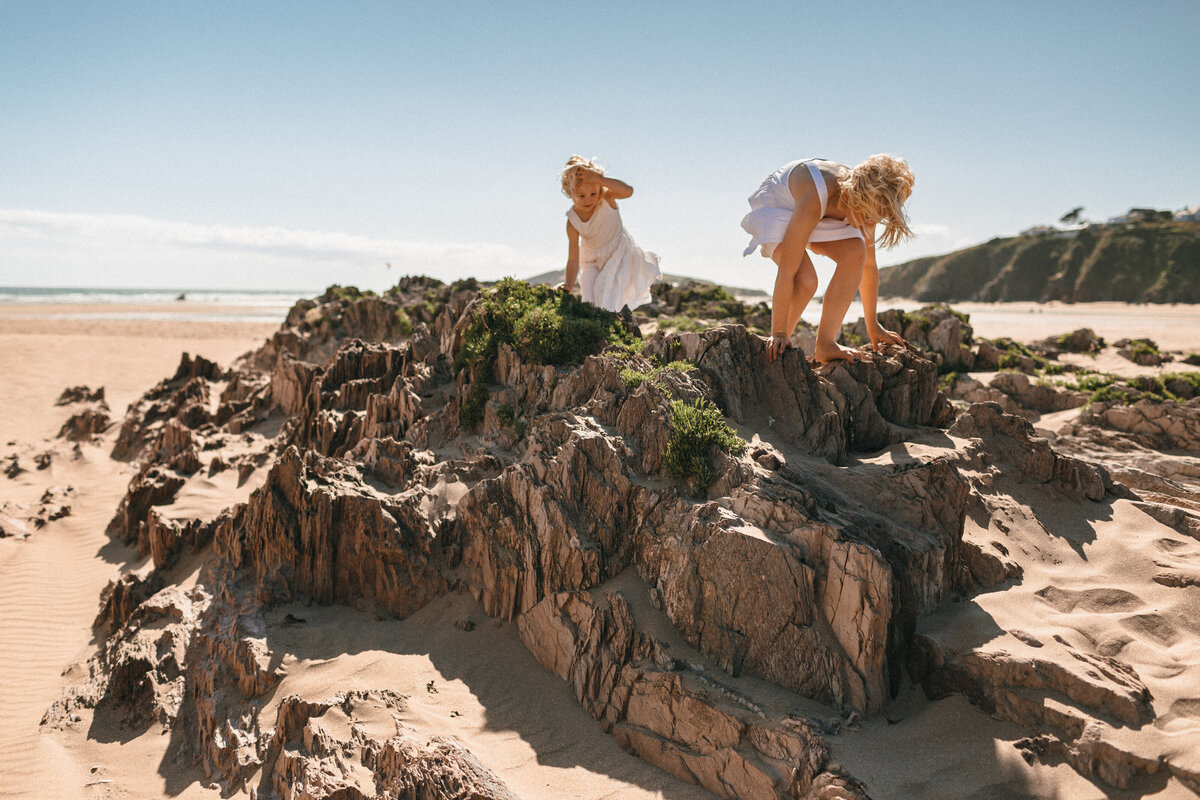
(1152, 627)
(1099, 601)
(1183, 715)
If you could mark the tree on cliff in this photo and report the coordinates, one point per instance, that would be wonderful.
(1072, 216)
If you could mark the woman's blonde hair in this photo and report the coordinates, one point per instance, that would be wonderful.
(570, 177)
(875, 191)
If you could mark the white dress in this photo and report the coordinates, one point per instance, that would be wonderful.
(613, 271)
(772, 206)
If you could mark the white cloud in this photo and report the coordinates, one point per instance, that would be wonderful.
(232, 251)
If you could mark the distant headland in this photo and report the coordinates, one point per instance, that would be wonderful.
(1144, 256)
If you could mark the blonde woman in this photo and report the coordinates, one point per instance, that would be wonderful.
(613, 271)
(832, 210)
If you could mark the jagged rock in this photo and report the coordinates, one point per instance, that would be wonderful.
(1036, 396)
(936, 329)
(988, 563)
(81, 394)
(184, 398)
(54, 504)
(313, 529)
(121, 597)
(153, 487)
(375, 497)
(1068, 692)
(138, 678)
(384, 765)
(972, 391)
(1142, 351)
(198, 367)
(668, 715)
(229, 674)
(164, 539)
(1081, 340)
(17, 518)
(1011, 439)
(1169, 425)
(85, 425)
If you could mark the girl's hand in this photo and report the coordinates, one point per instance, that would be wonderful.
(562, 287)
(881, 335)
(776, 345)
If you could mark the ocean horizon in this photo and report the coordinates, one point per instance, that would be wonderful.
(240, 305)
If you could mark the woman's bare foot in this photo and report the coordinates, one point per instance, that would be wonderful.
(834, 352)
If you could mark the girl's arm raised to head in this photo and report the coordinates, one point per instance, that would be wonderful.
(613, 189)
(868, 289)
(568, 283)
(618, 190)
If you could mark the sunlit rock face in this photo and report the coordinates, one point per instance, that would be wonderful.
(807, 559)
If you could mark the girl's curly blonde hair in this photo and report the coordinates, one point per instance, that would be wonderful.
(570, 175)
(875, 191)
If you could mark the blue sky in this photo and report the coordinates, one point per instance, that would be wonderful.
(293, 145)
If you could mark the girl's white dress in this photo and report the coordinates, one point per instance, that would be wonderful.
(613, 271)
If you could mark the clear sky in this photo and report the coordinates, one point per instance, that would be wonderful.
(292, 145)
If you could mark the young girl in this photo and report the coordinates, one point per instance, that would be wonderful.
(613, 271)
(832, 210)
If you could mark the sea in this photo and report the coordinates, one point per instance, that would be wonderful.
(195, 305)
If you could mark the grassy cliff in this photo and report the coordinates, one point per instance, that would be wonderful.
(1155, 262)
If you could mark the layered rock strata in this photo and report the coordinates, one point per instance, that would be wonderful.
(806, 563)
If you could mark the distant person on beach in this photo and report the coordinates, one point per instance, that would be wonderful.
(613, 271)
(832, 210)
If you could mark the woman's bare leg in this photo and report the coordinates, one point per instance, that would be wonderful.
(804, 286)
(850, 255)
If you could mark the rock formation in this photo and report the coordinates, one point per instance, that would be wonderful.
(394, 471)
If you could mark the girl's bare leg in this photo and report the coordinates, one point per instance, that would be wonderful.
(850, 255)
(803, 289)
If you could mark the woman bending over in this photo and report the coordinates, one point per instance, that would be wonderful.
(832, 210)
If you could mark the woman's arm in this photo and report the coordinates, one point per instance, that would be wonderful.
(868, 289)
(568, 284)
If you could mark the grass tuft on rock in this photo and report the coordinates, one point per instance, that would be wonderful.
(634, 378)
(696, 428)
(544, 325)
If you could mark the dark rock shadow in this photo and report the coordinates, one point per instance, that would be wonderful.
(463, 644)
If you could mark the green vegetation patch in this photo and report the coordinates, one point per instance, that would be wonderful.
(470, 416)
(696, 428)
(634, 378)
(681, 324)
(1009, 346)
(336, 292)
(1108, 388)
(508, 418)
(544, 325)
(404, 325)
(1143, 347)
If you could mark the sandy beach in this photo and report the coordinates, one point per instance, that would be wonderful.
(521, 716)
(521, 719)
(50, 582)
